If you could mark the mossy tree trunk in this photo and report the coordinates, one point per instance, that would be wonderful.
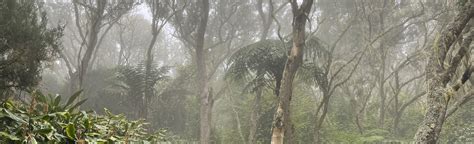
(281, 127)
(439, 73)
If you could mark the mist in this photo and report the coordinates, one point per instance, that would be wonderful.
(244, 72)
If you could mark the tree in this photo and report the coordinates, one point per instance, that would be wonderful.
(132, 38)
(26, 43)
(98, 14)
(160, 15)
(197, 17)
(440, 72)
(281, 122)
(260, 64)
(209, 48)
(134, 80)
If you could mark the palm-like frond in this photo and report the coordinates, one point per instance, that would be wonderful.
(260, 58)
(314, 60)
(253, 62)
(268, 57)
(133, 79)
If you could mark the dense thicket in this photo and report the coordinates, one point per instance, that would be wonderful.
(26, 43)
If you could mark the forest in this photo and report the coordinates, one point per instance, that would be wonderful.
(236, 71)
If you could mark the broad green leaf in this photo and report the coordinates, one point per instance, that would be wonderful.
(14, 117)
(8, 104)
(93, 134)
(40, 117)
(71, 131)
(58, 114)
(8, 136)
(77, 104)
(57, 99)
(43, 131)
(87, 124)
(72, 98)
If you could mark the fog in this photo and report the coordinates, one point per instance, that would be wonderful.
(256, 71)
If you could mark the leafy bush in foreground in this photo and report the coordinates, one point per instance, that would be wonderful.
(45, 119)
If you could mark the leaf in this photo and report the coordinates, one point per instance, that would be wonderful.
(77, 104)
(57, 99)
(14, 117)
(108, 112)
(58, 114)
(93, 134)
(71, 131)
(113, 138)
(40, 96)
(33, 141)
(45, 117)
(72, 98)
(43, 131)
(8, 104)
(87, 124)
(8, 136)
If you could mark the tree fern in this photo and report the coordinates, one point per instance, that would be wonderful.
(267, 58)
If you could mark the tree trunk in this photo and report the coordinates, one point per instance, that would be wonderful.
(383, 57)
(254, 117)
(319, 120)
(92, 40)
(281, 126)
(122, 49)
(266, 19)
(438, 75)
(396, 123)
(148, 83)
(203, 84)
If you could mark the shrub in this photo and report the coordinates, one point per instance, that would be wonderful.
(46, 119)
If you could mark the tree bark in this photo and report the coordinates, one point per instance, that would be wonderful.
(281, 126)
(203, 84)
(438, 75)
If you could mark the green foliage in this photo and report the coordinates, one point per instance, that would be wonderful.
(257, 60)
(125, 84)
(46, 119)
(347, 136)
(133, 78)
(266, 59)
(459, 127)
(25, 43)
